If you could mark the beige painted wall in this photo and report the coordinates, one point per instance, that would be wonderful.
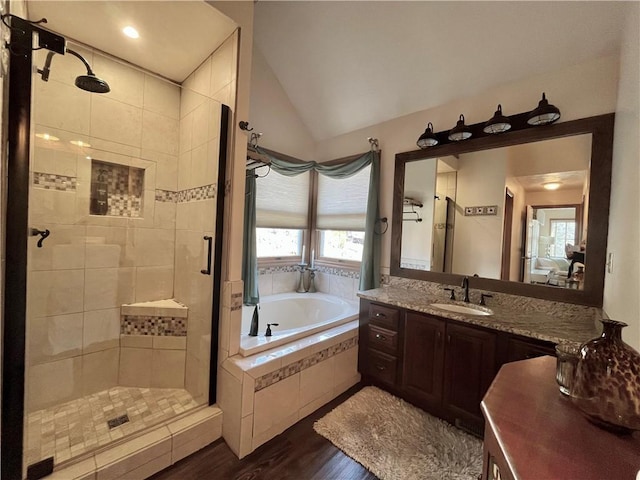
(570, 89)
(273, 114)
(621, 300)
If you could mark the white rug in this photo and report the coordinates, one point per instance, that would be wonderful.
(397, 441)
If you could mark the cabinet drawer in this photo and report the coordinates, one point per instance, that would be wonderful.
(384, 317)
(383, 339)
(382, 366)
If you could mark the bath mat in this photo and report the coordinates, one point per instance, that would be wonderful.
(397, 441)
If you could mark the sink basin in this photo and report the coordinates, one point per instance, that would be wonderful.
(451, 307)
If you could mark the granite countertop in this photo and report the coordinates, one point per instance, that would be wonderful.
(533, 323)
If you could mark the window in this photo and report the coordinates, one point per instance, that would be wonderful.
(563, 232)
(282, 207)
(341, 213)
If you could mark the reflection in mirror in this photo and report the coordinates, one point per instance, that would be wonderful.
(467, 214)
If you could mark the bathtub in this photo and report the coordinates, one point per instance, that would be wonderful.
(297, 315)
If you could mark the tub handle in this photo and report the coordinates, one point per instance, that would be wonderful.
(209, 240)
(269, 325)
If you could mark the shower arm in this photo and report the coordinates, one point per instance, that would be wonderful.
(86, 64)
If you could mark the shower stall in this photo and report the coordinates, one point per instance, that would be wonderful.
(113, 244)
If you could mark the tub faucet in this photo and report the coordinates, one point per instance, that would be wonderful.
(465, 286)
(253, 331)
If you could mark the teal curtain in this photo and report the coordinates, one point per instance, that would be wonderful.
(251, 295)
(370, 265)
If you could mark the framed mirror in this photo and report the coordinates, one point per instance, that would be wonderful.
(485, 208)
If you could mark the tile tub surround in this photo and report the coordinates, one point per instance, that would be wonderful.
(340, 282)
(552, 322)
(264, 394)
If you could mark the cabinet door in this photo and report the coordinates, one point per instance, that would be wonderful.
(469, 370)
(423, 358)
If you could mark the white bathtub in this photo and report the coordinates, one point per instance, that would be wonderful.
(297, 315)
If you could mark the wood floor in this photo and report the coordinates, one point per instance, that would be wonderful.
(299, 453)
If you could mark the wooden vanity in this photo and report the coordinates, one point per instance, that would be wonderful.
(534, 432)
(442, 365)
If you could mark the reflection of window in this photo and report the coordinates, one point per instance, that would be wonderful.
(563, 232)
(282, 205)
(341, 211)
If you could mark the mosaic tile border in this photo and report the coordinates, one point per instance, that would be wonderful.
(166, 196)
(236, 301)
(189, 195)
(278, 269)
(341, 272)
(274, 377)
(152, 325)
(50, 181)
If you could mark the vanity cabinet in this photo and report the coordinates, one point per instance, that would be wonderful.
(443, 366)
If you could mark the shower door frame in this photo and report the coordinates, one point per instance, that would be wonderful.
(18, 144)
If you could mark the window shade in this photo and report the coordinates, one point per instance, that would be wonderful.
(342, 203)
(282, 202)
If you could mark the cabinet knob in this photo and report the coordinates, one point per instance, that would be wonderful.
(380, 315)
(380, 367)
(381, 337)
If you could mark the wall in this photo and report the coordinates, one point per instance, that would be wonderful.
(621, 299)
(517, 224)
(91, 265)
(482, 255)
(273, 114)
(570, 89)
(213, 83)
(556, 197)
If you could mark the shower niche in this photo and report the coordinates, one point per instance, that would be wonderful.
(116, 190)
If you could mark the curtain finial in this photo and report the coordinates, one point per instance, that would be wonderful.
(374, 144)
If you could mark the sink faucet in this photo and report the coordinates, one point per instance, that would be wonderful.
(465, 285)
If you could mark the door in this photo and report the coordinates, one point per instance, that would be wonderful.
(469, 370)
(423, 358)
(506, 236)
(528, 245)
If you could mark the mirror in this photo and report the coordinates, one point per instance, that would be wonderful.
(480, 207)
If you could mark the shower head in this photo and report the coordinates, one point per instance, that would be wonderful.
(88, 82)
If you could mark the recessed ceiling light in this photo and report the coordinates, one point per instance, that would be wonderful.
(79, 143)
(551, 185)
(130, 32)
(46, 136)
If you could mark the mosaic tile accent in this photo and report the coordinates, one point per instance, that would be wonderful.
(198, 193)
(291, 369)
(149, 325)
(166, 196)
(124, 188)
(80, 426)
(341, 272)
(236, 301)
(278, 269)
(49, 181)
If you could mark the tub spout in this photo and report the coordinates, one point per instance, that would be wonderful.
(253, 331)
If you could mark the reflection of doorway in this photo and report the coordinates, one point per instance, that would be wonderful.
(548, 229)
(506, 235)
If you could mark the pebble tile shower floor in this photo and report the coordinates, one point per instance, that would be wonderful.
(80, 426)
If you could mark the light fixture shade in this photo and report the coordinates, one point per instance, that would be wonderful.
(460, 131)
(544, 114)
(428, 138)
(551, 185)
(498, 123)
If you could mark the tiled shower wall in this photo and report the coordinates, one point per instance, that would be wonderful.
(91, 265)
(210, 85)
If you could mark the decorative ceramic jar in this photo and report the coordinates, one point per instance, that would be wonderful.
(606, 386)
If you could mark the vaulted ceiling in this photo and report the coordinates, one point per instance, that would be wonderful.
(348, 65)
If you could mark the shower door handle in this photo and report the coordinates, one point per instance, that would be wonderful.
(43, 234)
(209, 240)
